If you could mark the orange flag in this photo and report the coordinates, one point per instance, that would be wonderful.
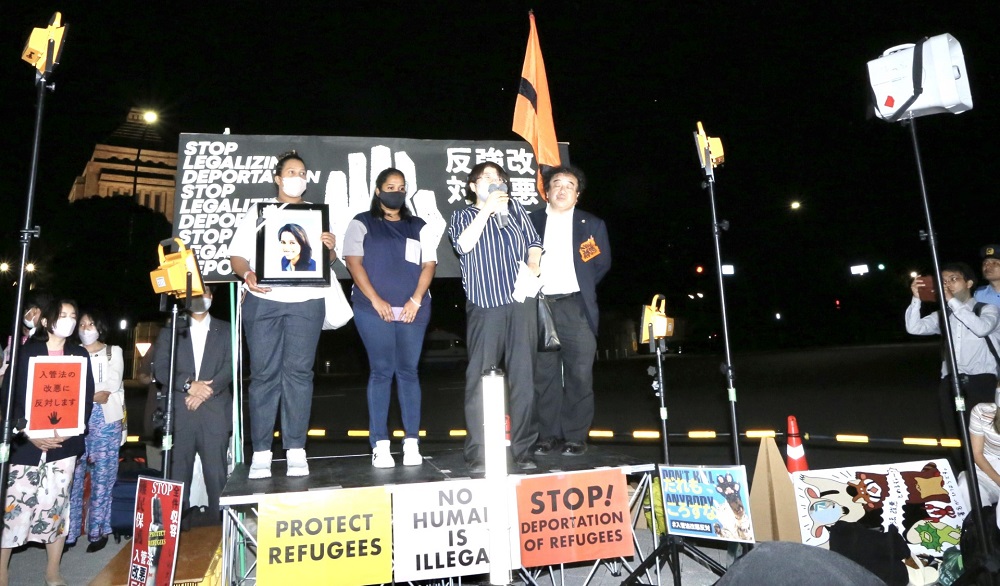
(533, 112)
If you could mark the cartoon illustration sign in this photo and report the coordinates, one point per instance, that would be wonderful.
(54, 400)
(706, 501)
(920, 498)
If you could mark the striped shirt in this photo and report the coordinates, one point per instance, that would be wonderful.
(489, 270)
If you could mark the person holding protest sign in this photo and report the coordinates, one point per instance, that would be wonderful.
(100, 457)
(499, 253)
(282, 326)
(41, 469)
(392, 257)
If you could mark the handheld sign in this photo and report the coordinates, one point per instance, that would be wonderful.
(54, 402)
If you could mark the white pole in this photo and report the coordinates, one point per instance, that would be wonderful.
(496, 475)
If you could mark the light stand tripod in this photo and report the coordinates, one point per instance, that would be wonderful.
(710, 154)
(671, 545)
(43, 51)
(166, 280)
(899, 78)
(956, 388)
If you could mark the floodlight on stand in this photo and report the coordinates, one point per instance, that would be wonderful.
(654, 320)
(171, 276)
(919, 79)
(709, 150)
(907, 81)
(44, 47)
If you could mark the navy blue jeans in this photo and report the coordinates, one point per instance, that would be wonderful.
(393, 351)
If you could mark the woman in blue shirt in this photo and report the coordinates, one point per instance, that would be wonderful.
(391, 256)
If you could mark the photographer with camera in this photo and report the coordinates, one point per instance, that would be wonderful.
(974, 334)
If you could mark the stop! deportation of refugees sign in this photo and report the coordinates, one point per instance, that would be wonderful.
(573, 517)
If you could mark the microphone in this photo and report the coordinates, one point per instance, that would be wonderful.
(501, 187)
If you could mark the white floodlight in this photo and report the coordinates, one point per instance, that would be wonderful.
(928, 77)
(859, 269)
(728, 270)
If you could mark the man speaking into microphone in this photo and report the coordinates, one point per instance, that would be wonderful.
(494, 238)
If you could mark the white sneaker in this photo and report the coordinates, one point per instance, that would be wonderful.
(381, 457)
(411, 452)
(297, 464)
(260, 467)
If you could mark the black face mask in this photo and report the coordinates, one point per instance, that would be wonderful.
(392, 199)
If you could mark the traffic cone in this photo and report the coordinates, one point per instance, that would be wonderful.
(794, 452)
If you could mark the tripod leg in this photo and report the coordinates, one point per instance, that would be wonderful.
(674, 559)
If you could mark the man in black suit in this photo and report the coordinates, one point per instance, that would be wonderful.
(577, 256)
(203, 400)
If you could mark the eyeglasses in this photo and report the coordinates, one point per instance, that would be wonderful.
(953, 279)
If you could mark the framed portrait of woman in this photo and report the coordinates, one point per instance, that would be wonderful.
(289, 249)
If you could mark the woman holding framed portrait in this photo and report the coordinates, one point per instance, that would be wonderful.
(391, 255)
(283, 314)
(41, 468)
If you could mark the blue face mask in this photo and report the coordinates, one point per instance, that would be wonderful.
(392, 199)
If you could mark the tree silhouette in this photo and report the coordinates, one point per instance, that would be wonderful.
(100, 251)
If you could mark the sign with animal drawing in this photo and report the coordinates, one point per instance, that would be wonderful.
(711, 502)
(922, 499)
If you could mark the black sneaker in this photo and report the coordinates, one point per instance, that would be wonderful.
(547, 446)
(476, 466)
(574, 449)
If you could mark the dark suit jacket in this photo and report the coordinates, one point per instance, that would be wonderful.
(216, 363)
(590, 273)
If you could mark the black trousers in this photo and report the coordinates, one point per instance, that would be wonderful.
(564, 380)
(205, 432)
(510, 333)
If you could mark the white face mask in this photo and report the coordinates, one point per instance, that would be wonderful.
(29, 323)
(64, 327)
(293, 186)
(201, 304)
(88, 337)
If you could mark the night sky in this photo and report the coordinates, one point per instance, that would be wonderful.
(783, 84)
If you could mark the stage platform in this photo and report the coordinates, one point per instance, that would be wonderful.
(357, 472)
(243, 498)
